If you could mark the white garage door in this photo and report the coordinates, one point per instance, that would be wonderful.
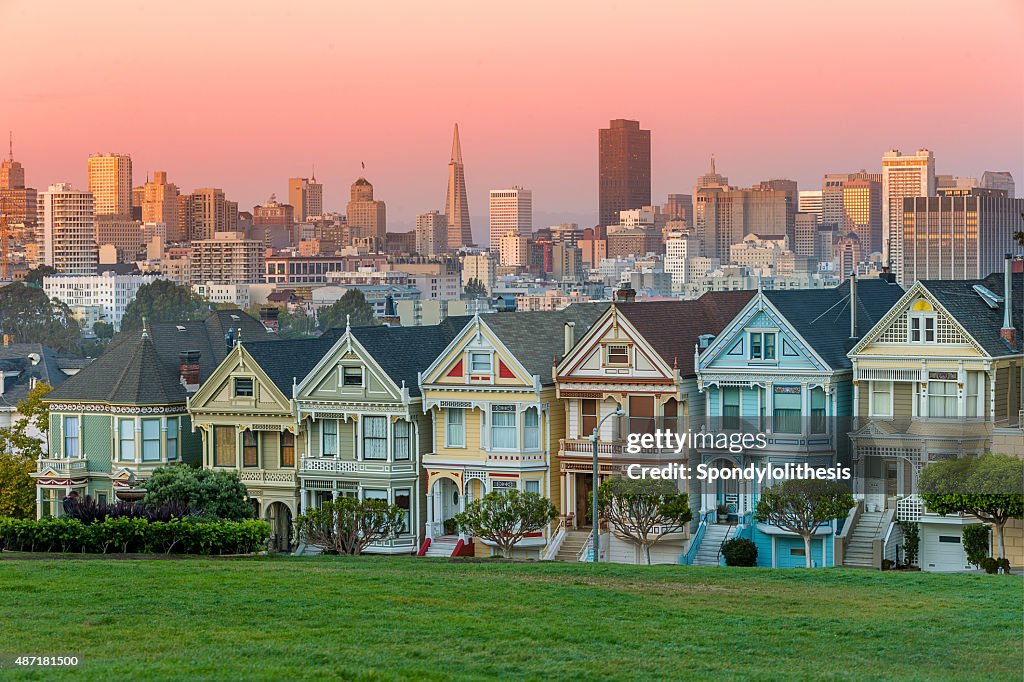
(943, 550)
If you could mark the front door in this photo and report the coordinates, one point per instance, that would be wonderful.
(584, 500)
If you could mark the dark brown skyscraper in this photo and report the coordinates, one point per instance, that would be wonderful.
(624, 169)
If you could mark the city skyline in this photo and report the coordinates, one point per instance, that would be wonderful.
(544, 138)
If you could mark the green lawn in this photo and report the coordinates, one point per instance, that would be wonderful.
(405, 618)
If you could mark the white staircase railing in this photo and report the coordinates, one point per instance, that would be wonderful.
(551, 549)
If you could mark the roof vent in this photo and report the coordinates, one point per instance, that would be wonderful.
(705, 340)
(180, 327)
(991, 299)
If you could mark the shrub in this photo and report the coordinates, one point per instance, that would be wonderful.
(976, 542)
(989, 565)
(218, 494)
(887, 564)
(739, 552)
(1004, 564)
(911, 541)
(348, 526)
(89, 511)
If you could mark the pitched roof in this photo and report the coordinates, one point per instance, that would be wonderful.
(537, 339)
(144, 369)
(289, 361)
(33, 362)
(822, 316)
(673, 328)
(980, 320)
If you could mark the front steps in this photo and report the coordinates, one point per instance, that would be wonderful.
(572, 544)
(441, 547)
(711, 544)
(858, 552)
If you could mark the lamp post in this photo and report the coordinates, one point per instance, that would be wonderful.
(597, 529)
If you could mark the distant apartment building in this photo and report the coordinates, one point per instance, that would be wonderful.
(431, 233)
(760, 254)
(481, 267)
(272, 212)
(511, 212)
(567, 263)
(110, 183)
(725, 215)
(638, 232)
(67, 230)
(998, 180)
(959, 234)
(903, 175)
(123, 233)
(205, 212)
(161, 204)
(678, 250)
(593, 246)
(624, 169)
(805, 229)
(228, 258)
(231, 294)
(367, 217)
(514, 250)
(108, 293)
(306, 197)
(175, 264)
(295, 269)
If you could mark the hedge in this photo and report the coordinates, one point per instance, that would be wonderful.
(177, 536)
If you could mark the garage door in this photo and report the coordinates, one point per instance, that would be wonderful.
(943, 551)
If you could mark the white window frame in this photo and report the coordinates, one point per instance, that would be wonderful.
(530, 483)
(459, 425)
(121, 440)
(505, 428)
(364, 437)
(872, 390)
(76, 439)
(474, 355)
(362, 377)
(173, 438)
(531, 432)
(917, 324)
(946, 397)
(323, 438)
(145, 457)
(761, 337)
(395, 438)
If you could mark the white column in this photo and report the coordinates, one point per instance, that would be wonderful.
(805, 408)
(39, 502)
(163, 440)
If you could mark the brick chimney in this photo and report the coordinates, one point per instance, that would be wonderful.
(1008, 332)
(189, 369)
(268, 316)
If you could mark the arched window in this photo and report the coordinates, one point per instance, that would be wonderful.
(921, 322)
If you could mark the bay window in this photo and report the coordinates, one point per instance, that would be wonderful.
(641, 414)
(942, 399)
(786, 416)
(455, 427)
(403, 440)
(375, 437)
(818, 424)
(287, 449)
(588, 417)
(881, 398)
(126, 439)
(403, 500)
(971, 394)
(731, 407)
(224, 446)
(172, 438)
(71, 438)
(250, 449)
(532, 487)
(531, 429)
(330, 437)
(503, 427)
(150, 440)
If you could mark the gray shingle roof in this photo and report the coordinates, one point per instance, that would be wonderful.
(970, 310)
(33, 361)
(289, 361)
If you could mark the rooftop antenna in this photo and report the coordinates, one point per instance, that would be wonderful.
(712, 163)
(10, 143)
(314, 173)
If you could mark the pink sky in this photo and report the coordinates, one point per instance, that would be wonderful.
(242, 95)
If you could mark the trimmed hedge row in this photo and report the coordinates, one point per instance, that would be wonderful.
(177, 536)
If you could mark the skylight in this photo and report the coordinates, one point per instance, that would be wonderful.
(991, 299)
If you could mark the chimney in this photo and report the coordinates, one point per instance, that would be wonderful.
(1008, 332)
(853, 305)
(268, 316)
(570, 336)
(189, 369)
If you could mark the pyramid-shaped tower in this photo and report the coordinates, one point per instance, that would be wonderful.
(456, 204)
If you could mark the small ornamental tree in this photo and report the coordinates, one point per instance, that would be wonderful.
(643, 511)
(802, 506)
(990, 487)
(349, 526)
(739, 552)
(911, 541)
(976, 543)
(219, 494)
(505, 518)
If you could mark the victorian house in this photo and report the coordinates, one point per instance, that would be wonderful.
(780, 369)
(125, 414)
(638, 358)
(496, 419)
(939, 376)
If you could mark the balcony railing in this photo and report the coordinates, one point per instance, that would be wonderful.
(332, 465)
(262, 476)
(71, 465)
(586, 447)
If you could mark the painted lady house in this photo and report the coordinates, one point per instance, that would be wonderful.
(496, 419)
(780, 368)
(939, 376)
(125, 414)
(365, 428)
(638, 358)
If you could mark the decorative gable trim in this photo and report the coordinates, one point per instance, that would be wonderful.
(622, 333)
(347, 348)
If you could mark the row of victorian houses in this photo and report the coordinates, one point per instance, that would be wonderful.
(431, 418)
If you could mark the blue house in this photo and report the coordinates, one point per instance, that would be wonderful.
(780, 369)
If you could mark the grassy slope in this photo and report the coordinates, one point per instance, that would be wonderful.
(377, 618)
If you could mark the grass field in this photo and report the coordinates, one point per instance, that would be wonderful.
(380, 618)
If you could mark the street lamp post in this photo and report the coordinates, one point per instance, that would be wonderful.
(597, 530)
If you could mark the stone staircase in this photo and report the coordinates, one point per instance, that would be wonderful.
(571, 545)
(858, 547)
(710, 545)
(442, 547)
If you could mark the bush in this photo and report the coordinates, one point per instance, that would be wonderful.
(218, 494)
(976, 542)
(911, 541)
(126, 534)
(89, 511)
(739, 552)
(1004, 564)
(989, 565)
(887, 564)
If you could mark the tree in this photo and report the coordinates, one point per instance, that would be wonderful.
(352, 306)
(162, 301)
(103, 330)
(349, 526)
(988, 487)
(35, 275)
(802, 506)
(505, 518)
(30, 316)
(291, 324)
(220, 494)
(475, 288)
(643, 511)
(19, 450)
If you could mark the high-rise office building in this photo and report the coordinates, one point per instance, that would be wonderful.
(67, 230)
(511, 212)
(367, 217)
(110, 183)
(514, 250)
(792, 194)
(306, 197)
(17, 201)
(903, 175)
(226, 258)
(206, 212)
(853, 203)
(806, 230)
(995, 180)
(431, 233)
(12, 173)
(963, 233)
(624, 169)
(456, 202)
(725, 216)
(680, 207)
(273, 212)
(160, 204)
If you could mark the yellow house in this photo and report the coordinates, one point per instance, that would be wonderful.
(496, 420)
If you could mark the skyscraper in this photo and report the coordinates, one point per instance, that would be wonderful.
(810, 201)
(725, 216)
(511, 212)
(853, 203)
(456, 202)
(160, 205)
(992, 180)
(910, 175)
(110, 183)
(16, 201)
(306, 197)
(206, 212)
(67, 234)
(431, 233)
(367, 218)
(624, 169)
(12, 173)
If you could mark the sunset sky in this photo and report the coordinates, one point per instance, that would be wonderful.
(242, 95)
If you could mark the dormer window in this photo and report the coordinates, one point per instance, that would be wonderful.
(351, 376)
(921, 322)
(243, 387)
(480, 363)
(762, 345)
(617, 354)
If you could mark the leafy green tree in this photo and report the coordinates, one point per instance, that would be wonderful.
(911, 541)
(802, 506)
(30, 316)
(643, 511)
(35, 275)
(220, 494)
(162, 301)
(975, 537)
(475, 288)
(349, 526)
(989, 487)
(352, 306)
(290, 324)
(19, 450)
(103, 330)
(505, 518)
